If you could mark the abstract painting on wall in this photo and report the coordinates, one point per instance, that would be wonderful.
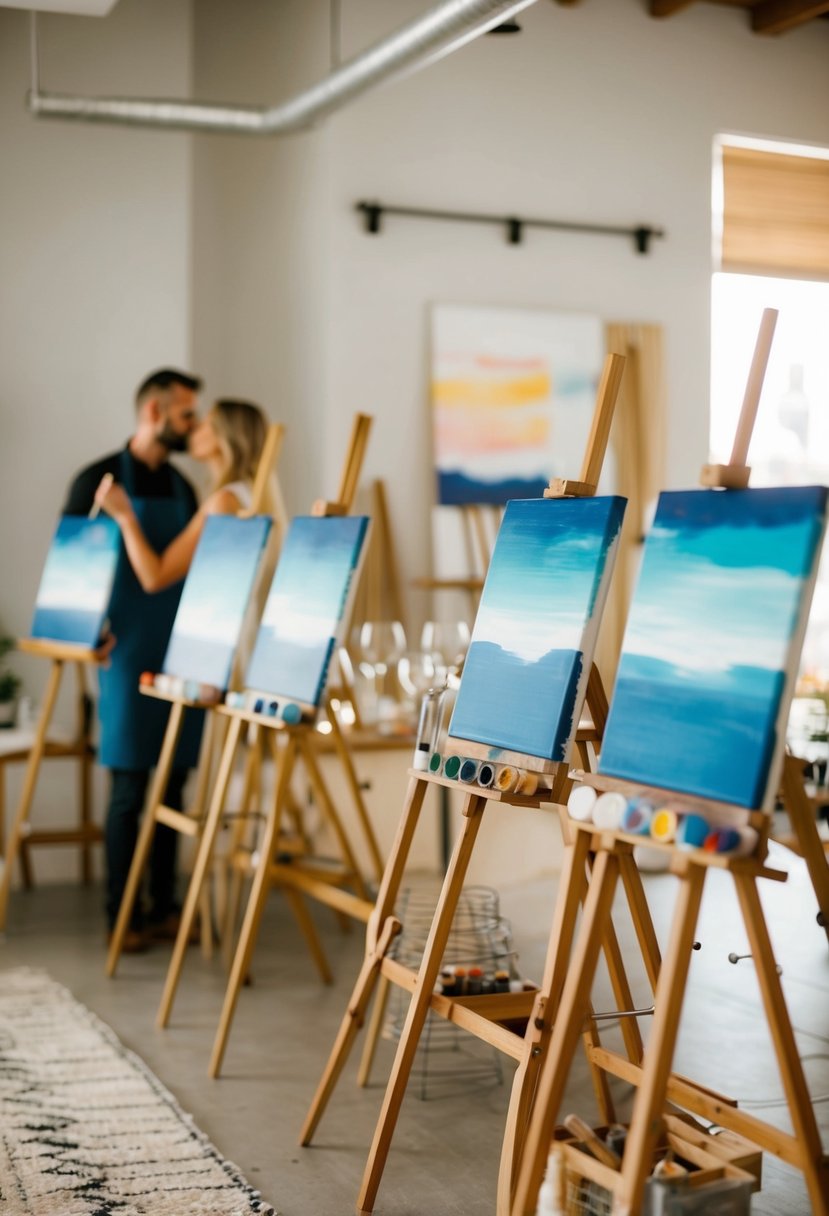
(526, 672)
(305, 611)
(215, 598)
(76, 584)
(512, 392)
(713, 641)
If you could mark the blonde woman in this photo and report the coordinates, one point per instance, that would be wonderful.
(229, 441)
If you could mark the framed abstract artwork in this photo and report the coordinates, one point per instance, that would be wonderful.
(306, 607)
(526, 671)
(214, 600)
(713, 641)
(75, 588)
(513, 392)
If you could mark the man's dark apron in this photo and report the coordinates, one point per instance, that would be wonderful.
(132, 726)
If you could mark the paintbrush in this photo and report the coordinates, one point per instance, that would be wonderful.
(106, 481)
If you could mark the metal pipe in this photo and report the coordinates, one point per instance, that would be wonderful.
(438, 32)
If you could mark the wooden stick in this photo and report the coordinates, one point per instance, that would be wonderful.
(255, 904)
(355, 455)
(569, 1021)
(29, 783)
(669, 996)
(594, 453)
(735, 474)
(382, 928)
(754, 387)
(266, 469)
(203, 855)
(419, 1006)
(145, 836)
(813, 1163)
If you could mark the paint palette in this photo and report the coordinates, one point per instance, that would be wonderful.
(713, 641)
(75, 587)
(526, 672)
(306, 608)
(215, 599)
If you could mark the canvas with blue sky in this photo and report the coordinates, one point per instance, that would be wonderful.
(304, 613)
(713, 641)
(215, 599)
(76, 584)
(532, 645)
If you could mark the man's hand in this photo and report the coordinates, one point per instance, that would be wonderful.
(113, 499)
(105, 648)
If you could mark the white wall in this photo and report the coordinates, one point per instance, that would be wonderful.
(595, 113)
(260, 229)
(94, 286)
(94, 262)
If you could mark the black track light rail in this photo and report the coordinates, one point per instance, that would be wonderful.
(513, 226)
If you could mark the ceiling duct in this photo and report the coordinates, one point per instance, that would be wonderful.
(438, 32)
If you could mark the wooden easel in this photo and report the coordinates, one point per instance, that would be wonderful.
(186, 823)
(481, 1015)
(59, 654)
(609, 855)
(479, 527)
(303, 874)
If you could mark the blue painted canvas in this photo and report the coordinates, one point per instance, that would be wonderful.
(76, 584)
(304, 613)
(532, 646)
(713, 642)
(215, 599)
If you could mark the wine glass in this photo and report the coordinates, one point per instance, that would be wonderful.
(448, 641)
(417, 673)
(381, 645)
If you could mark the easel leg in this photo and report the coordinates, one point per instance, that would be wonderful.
(641, 917)
(145, 836)
(569, 1023)
(203, 855)
(255, 906)
(296, 903)
(801, 1110)
(419, 1006)
(345, 758)
(380, 932)
(802, 818)
(572, 885)
(83, 715)
(670, 994)
(375, 1029)
(332, 816)
(29, 783)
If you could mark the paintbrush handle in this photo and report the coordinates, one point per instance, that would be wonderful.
(96, 506)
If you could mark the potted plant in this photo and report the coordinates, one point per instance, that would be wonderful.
(9, 685)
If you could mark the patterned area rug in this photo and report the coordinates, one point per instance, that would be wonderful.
(85, 1127)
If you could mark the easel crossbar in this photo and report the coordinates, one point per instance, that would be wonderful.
(701, 1102)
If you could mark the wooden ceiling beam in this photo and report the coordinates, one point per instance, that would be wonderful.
(778, 16)
(667, 8)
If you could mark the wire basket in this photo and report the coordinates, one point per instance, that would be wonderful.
(449, 1060)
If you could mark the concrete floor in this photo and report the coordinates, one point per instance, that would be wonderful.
(444, 1158)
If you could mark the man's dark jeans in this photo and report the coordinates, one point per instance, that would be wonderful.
(126, 802)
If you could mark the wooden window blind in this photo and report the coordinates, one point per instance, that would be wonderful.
(775, 213)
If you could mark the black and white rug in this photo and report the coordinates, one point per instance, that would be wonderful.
(85, 1127)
